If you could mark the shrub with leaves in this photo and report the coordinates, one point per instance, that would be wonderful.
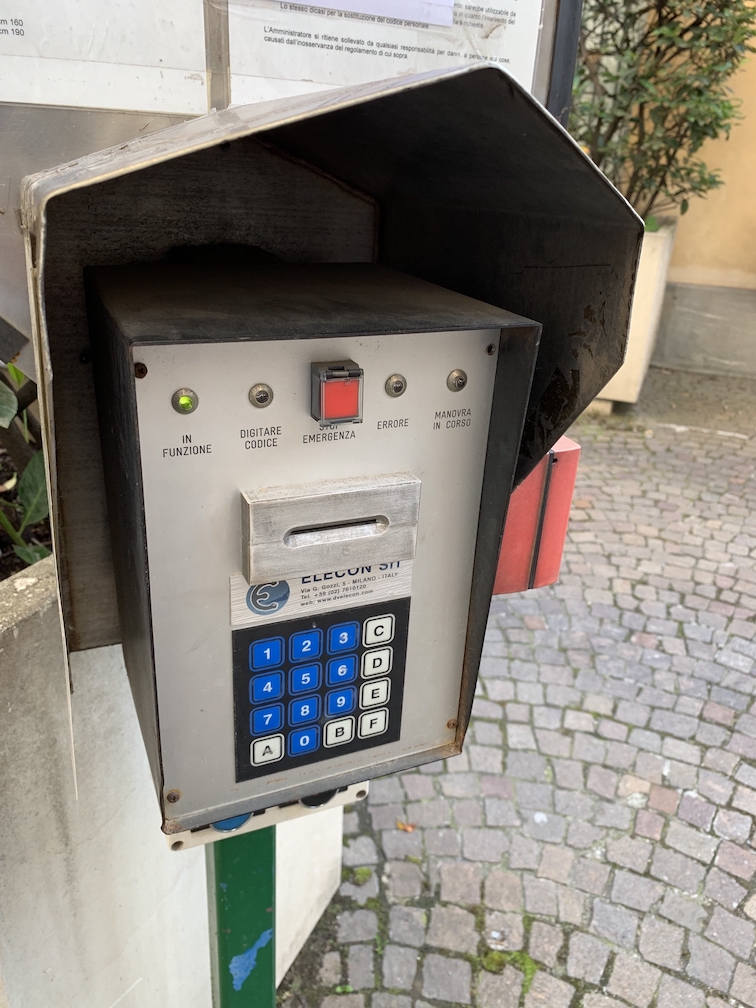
(650, 89)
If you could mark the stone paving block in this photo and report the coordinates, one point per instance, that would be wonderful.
(582, 835)
(399, 967)
(520, 736)
(719, 714)
(361, 893)
(343, 1001)
(540, 896)
(383, 1000)
(691, 842)
(710, 964)
(500, 812)
(452, 928)
(504, 932)
(330, 970)
(600, 1001)
(724, 889)
(695, 811)
(467, 812)
(649, 767)
(577, 806)
(487, 734)
(736, 861)
(503, 890)
(357, 926)
(405, 880)
(602, 781)
(614, 923)
(535, 796)
(524, 853)
(526, 766)
(590, 875)
(351, 823)
(613, 815)
(681, 775)
(398, 844)
(548, 992)
(661, 943)
(544, 826)
(571, 905)
(483, 844)
(496, 787)
(676, 994)
(460, 785)
(545, 943)
(385, 790)
(443, 842)
(683, 911)
(446, 979)
(418, 786)
(663, 799)
(714, 786)
(731, 932)
(360, 967)
(436, 812)
(407, 925)
(360, 851)
(744, 985)
(556, 863)
(499, 991)
(629, 853)
(677, 870)
(633, 980)
(733, 825)
(648, 824)
(460, 883)
(745, 799)
(635, 892)
(586, 957)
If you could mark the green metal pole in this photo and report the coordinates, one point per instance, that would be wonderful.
(241, 890)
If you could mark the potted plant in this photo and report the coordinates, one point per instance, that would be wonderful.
(650, 89)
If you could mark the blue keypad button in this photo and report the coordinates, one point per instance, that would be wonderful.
(304, 740)
(266, 687)
(306, 709)
(304, 678)
(304, 645)
(341, 670)
(266, 719)
(341, 701)
(343, 637)
(266, 653)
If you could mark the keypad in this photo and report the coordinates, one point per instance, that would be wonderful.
(312, 689)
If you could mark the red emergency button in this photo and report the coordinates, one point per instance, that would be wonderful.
(336, 392)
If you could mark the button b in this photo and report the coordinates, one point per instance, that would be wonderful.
(377, 662)
(339, 732)
(378, 630)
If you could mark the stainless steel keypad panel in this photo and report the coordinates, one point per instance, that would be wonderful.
(313, 688)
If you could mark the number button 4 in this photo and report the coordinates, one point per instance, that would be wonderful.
(266, 687)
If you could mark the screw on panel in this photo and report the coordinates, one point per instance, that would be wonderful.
(456, 380)
(452, 723)
(177, 845)
(396, 385)
(173, 796)
(491, 349)
(140, 370)
(261, 395)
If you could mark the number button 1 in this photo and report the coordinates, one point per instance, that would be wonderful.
(306, 644)
(266, 653)
(343, 637)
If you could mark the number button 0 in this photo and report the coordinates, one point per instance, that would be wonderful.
(341, 670)
(343, 637)
(304, 710)
(266, 719)
(304, 645)
(266, 653)
(341, 701)
(304, 678)
(266, 687)
(304, 741)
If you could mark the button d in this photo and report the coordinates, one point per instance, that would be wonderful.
(377, 662)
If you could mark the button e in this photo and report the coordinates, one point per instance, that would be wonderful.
(375, 693)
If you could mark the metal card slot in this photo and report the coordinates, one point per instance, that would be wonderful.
(369, 520)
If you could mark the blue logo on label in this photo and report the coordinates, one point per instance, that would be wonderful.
(265, 599)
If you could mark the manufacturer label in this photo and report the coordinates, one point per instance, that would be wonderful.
(318, 591)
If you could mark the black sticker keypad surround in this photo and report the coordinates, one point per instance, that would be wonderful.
(314, 688)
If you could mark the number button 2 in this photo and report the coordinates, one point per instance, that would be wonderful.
(305, 645)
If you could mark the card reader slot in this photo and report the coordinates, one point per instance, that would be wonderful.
(361, 528)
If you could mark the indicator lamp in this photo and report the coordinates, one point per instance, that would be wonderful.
(184, 400)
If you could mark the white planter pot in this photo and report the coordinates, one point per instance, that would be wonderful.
(648, 298)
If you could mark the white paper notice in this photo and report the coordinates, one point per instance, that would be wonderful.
(140, 55)
(282, 49)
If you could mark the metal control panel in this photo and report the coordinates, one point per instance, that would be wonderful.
(304, 602)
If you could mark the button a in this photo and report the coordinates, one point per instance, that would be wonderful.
(266, 750)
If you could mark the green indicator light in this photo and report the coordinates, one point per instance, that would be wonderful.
(184, 400)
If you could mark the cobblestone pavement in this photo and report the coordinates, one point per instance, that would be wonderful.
(592, 846)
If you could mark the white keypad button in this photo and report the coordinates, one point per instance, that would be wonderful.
(373, 694)
(377, 662)
(373, 723)
(378, 630)
(267, 750)
(339, 732)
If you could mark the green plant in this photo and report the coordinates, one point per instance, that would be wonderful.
(29, 507)
(650, 89)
